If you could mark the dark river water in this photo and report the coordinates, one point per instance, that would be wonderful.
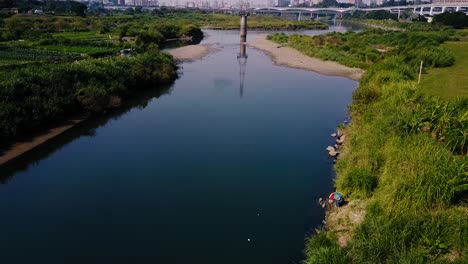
(194, 174)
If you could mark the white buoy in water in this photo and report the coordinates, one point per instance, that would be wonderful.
(248, 239)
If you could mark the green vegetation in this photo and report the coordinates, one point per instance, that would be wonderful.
(449, 82)
(455, 19)
(362, 50)
(405, 152)
(409, 21)
(386, 18)
(32, 96)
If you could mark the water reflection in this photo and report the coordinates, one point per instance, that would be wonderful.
(242, 60)
(85, 129)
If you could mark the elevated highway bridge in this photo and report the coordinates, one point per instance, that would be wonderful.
(303, 13)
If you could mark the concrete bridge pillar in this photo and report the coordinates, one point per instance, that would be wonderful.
(243, 28)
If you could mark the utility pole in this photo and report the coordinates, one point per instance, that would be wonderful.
(420, 71)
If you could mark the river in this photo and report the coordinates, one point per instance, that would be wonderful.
(202, 173)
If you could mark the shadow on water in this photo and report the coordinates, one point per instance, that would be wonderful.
(84, 129)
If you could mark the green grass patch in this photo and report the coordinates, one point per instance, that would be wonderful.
(451, 82)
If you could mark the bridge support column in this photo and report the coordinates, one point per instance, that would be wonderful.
(243, 28)
(243, 33)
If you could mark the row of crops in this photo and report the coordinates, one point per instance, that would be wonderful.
(15, 55)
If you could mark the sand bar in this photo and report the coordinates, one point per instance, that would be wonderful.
(191, 52)
(292, 58)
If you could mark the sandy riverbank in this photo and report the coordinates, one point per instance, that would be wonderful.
(191, 52)
(21, 147)
(292, 58)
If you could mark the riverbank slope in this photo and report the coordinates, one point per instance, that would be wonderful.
(403, 166)
(292, 58)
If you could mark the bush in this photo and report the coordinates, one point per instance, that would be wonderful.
(454, 19)
(93, 99)
(191, 31)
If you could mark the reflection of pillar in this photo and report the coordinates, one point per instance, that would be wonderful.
(243, 48)
(242, 66)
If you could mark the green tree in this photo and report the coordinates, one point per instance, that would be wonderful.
(456, 19)
(78, 8)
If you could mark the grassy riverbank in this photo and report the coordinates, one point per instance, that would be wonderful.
(404, 164)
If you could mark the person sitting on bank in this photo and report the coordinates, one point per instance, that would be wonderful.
(337, 198)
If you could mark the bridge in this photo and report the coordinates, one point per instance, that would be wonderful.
(301, 13)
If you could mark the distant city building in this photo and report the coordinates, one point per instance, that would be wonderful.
(145, 3)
